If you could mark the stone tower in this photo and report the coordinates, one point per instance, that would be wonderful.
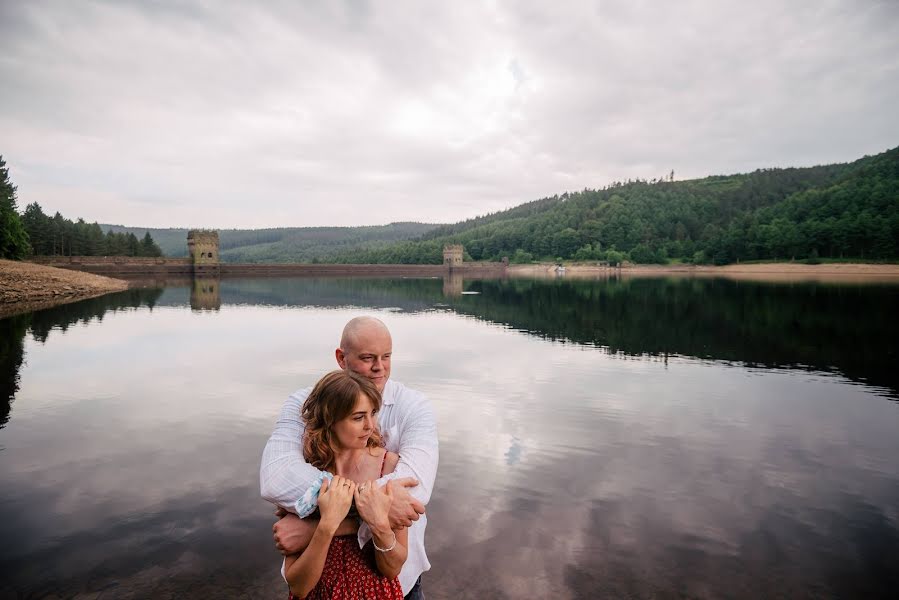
(203, 248)
(452, 255)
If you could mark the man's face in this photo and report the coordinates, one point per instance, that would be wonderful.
(368, 356)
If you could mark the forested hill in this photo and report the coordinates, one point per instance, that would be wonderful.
(832, 211)
(289, 244)
(848, 211)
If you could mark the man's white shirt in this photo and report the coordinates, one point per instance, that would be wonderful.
(409, 429)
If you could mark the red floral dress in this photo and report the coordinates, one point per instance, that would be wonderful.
(351, 573)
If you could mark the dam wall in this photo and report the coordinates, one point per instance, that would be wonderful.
(125, 266)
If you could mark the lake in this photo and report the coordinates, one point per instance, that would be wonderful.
(644, 438)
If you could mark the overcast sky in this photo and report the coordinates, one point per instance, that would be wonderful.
(300, 113)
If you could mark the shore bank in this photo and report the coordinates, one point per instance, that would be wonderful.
(831, 272)
(25, 287)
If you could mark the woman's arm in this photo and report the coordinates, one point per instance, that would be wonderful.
(303, 572)
(391, 562)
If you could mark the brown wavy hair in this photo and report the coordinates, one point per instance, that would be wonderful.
(332, 399)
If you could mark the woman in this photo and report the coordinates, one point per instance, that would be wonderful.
(342, 438)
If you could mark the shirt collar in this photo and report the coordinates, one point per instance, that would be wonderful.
(388, 396)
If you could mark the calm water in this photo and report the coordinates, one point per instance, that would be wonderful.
(643, 438)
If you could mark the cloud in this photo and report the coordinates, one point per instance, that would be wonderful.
(227, 115)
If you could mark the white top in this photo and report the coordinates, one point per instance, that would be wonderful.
(409, 429)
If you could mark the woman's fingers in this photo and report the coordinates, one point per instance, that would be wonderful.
(342, 485)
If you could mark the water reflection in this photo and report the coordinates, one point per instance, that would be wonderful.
(598, 439)
(14, 329)
(815, 326)
(453, 285)
(205, 293)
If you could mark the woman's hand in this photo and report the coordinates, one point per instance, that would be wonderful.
(373, 504)
(334, 501)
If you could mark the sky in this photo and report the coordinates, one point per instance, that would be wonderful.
(290, 114)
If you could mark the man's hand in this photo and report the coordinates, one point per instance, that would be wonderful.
(404, 509)
(373, 504)
(292, 534)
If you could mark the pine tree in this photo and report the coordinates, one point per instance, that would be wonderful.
(13, 238)
(148, 247)
(37, 225)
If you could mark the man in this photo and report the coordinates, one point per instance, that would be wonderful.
(407, 424)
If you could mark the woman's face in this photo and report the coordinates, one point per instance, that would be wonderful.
(352, 432)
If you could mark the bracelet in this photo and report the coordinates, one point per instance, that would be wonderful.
(392, 546)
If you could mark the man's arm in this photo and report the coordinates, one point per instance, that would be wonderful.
(283, 475)
(417, 449)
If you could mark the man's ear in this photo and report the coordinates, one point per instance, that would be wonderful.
(341, 358)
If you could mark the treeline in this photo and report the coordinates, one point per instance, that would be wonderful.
(38, 234)
(13, 238)
(848, 211)
(285, 244)
(58, 236)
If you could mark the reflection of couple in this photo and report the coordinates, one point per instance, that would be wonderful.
(356, 436)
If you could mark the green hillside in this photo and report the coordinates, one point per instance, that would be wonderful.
(289, 244)
(840, 211)
(832, 211)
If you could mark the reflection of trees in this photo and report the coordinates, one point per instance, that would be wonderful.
(12, 353)
(850, 328)
(847, 328)
(407, 294)
(41, 323)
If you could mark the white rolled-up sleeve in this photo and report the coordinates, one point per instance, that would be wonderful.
(418, 449)
(284, 476)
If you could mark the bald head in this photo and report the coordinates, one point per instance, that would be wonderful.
(365, 349)
(361, 327)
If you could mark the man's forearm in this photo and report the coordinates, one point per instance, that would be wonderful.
(283, 474)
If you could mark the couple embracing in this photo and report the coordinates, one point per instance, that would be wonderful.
(351, 465)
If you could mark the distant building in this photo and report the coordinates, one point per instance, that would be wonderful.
(452, 255)
(203, 247)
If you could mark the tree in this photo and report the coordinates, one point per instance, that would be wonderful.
(148, 247)
(13, 238)
(37, 225)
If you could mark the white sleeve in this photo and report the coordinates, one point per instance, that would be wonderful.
(283, 475)
(418, 449)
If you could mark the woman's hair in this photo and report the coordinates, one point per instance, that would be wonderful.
(332, 399)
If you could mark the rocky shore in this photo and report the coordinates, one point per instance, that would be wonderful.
(25, 287)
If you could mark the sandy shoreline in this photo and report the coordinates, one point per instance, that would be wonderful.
(834, 272)
(25, 287)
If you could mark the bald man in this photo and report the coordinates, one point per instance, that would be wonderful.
(407, 423)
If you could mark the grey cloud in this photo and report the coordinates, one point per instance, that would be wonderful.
(427, 111)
